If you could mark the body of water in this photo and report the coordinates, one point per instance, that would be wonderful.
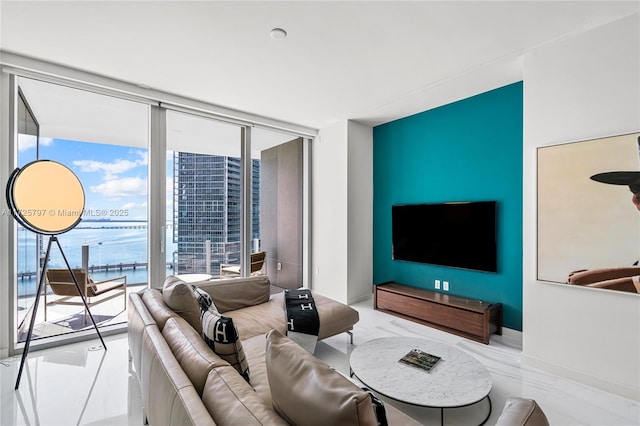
(110, 243)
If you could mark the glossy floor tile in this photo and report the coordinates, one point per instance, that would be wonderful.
(76, 384)
(82, 384)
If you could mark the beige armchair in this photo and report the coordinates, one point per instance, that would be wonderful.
(257, 263)
(61, 284)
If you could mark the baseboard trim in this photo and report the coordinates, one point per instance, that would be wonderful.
(354, 300)
(510, 337)
(587, 379)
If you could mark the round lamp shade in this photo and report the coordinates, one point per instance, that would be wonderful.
(46, 197)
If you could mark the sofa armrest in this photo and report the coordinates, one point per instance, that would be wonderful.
(230, 294)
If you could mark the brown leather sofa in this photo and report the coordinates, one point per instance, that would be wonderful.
(184, 382)
(522, 412)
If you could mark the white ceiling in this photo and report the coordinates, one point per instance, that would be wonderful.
(66, 113)
(370, 61)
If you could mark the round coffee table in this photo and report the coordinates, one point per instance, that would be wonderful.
(457, 380)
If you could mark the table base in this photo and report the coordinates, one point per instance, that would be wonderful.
(488, 398)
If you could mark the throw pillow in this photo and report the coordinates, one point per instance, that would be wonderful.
(221, 334)
(203, 298)
(306, 391)
(178, 296)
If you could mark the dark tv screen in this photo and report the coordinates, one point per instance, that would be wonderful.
(459, 235)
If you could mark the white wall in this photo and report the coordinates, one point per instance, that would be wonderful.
(329, 212)
(584, 87)
(360, 212)
(342, 212)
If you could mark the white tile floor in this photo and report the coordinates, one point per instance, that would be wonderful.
(81, 384)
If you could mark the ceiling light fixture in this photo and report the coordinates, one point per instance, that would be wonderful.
(278, 34)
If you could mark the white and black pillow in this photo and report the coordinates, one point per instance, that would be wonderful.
(221, 334)
(203, 299)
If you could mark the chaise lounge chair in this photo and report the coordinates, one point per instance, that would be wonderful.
(61, 283)
(257, 262)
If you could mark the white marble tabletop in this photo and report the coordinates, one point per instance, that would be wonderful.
(194, 278)
(458, 379)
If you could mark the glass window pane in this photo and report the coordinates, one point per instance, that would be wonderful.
(104, 141)
(204, 194)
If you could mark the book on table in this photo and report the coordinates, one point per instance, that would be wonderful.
(420, 359)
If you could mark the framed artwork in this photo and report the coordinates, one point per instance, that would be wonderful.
(588, 216)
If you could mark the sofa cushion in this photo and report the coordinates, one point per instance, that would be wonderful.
(159, 310)
(305, 391)
(169, 397)
(236, 293)
(335, 317)
(260, 319)
(522, 412)
(221, 335)
(178, 296)
(138, 318)
(254, 348)
(192, 353)
(231, 401)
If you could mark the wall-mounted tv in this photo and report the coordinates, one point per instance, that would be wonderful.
(459, 235)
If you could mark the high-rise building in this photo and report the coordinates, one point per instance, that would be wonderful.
(206, 210)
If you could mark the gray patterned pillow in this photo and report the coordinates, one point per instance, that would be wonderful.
(220, 333)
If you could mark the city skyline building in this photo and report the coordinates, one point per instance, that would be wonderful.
(207, 211)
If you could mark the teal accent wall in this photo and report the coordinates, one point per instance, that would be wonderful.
(470, 150)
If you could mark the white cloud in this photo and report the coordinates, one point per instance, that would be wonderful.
(131, 206)
(144, 157)
(122, 188)
(27, 142)
(111, 170)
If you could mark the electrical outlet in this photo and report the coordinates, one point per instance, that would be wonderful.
(437, 284)
(445, 285)
(279, 266)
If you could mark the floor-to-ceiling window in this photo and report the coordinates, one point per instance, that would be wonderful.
(224, 191)
(205, 196)
(204, 193)
(28, 243)
(104, 141)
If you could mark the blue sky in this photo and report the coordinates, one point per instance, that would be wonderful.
(114, 177)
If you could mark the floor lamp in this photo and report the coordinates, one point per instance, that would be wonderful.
(47, 198)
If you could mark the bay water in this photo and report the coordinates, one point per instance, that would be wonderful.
(110, 243)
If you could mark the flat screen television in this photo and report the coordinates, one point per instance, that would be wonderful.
(459, 235)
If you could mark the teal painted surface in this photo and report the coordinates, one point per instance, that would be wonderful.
(470, 150)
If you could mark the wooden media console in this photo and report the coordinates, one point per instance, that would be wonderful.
(473, 319)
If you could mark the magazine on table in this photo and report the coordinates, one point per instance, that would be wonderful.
(420, 359)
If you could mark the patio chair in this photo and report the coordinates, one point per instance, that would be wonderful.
(61, 284)
(257, 263)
